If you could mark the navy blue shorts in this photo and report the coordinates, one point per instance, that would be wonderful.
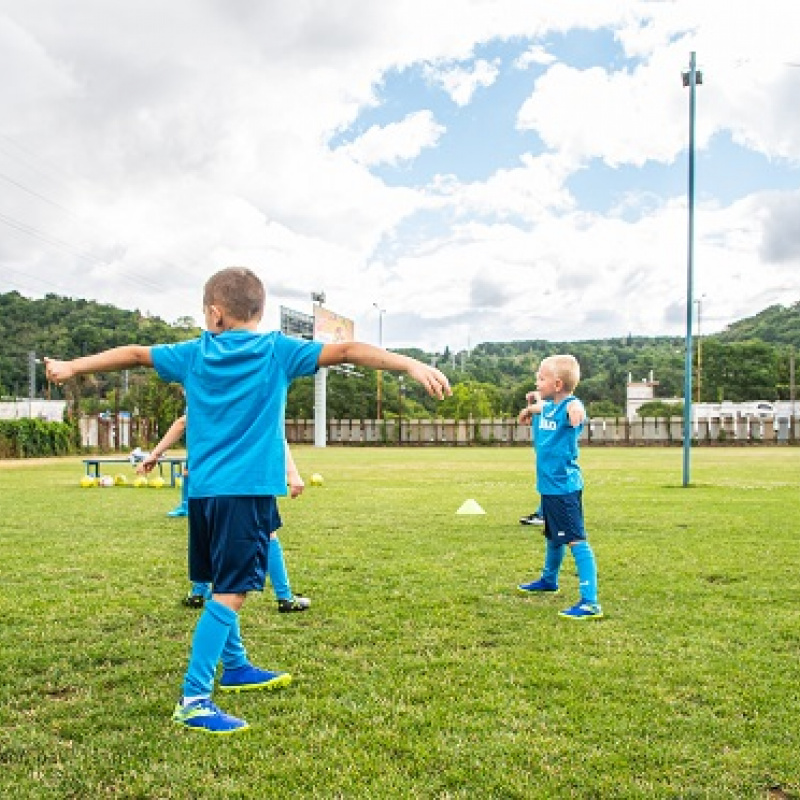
(563, 517)
(229, 541)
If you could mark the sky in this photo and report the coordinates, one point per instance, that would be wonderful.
(446, 172)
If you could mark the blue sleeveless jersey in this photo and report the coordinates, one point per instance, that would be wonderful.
(556, 444)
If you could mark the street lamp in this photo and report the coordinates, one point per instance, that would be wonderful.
(691, 78)
(379, 373)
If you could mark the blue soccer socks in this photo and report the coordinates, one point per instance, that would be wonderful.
(276, 567)
(182, 510)
(234, 656)
(553, 556)
(210, 637)
(587, 571)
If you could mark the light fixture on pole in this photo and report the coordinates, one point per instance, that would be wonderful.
(691, 78)
(379, 373)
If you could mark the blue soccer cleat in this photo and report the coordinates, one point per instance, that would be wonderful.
(582, 610)
(203, 715)
(538, 587)
(249, 678)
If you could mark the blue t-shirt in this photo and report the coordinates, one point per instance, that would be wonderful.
(235, 384)
(556, 442)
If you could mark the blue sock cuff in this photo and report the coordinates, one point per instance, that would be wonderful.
(221, 613)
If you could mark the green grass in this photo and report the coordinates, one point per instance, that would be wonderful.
(419, 672)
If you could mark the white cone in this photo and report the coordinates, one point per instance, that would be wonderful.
(470, 507)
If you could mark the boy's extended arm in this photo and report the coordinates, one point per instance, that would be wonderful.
(174, 432)
(367, 355)
(126, 357)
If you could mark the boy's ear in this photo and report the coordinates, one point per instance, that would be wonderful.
(216, 316)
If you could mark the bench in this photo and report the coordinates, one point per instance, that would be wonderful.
(176, 466)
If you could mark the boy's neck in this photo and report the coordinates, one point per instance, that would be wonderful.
(232, 324)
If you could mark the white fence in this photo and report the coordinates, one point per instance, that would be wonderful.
(610, 431)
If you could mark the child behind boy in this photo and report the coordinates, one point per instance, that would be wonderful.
(235, 380)
(200, 591)
(558, 417)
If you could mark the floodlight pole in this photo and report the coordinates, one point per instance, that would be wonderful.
(320, 392)
(379, 373)
(691, 79)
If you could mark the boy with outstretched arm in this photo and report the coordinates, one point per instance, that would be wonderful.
(558, 418)
(235, 380)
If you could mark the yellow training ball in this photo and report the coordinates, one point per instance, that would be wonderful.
(140, 482)
(120, 480)
(87, 482)
(317, 479)
(157, 483)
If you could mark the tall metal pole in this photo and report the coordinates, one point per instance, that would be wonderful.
(379, 373)
(690, 79)
(320, 392)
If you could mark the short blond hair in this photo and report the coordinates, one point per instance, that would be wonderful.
(566, 368)
(237, 290)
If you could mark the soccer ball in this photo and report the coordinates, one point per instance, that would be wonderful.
(87, 482)
(140, 482)
(106, 481)
(120, 480)
(137, 456)
(157, 483)
(317, 479)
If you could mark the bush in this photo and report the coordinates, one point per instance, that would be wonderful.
(35, 438)
(660, 409)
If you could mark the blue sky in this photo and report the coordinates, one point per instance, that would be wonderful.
(519, 174)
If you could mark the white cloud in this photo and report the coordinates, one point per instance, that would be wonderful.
(396, 142)
(534, 55)
(460, 83)
(146, 145)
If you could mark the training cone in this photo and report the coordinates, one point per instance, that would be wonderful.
(470, 507)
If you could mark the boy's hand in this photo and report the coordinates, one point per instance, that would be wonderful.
(296, 484)
(434, 381)
(58, 371)
(533, 398)
(147, 464)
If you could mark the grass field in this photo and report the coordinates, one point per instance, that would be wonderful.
(419, 672)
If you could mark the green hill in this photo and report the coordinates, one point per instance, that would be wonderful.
(749, 360)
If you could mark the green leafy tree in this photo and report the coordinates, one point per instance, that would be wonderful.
(660, 409)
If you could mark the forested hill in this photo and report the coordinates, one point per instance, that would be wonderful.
(65, 328)
(777, 325)
(749, 360)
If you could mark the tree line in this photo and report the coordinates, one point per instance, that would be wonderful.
(750, 360)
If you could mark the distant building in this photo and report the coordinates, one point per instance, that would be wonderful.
(48, 410)
(727, 413)
(640, 392)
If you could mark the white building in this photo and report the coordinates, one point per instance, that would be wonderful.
(48, 410)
